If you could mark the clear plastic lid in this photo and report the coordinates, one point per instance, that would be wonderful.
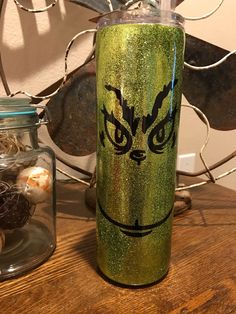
(145, 14)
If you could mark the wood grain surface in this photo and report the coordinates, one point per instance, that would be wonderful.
(202, 276)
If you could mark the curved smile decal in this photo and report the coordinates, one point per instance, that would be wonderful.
(135, 230)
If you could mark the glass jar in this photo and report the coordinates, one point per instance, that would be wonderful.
(27, 190)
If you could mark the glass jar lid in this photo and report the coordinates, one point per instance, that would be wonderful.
(17, 113)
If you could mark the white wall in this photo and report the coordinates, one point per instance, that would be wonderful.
(219, 29)
(33, 46)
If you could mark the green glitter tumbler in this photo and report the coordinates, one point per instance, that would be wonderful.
(139, 57)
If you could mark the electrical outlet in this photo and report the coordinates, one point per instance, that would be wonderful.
(186, 162)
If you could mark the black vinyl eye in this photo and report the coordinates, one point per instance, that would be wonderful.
(116, 133)
(162, 133)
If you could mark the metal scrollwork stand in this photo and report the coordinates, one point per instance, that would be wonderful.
(183, 197)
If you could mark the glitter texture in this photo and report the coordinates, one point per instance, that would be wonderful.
(136, 169)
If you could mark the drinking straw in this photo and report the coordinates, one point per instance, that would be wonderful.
(166, 5)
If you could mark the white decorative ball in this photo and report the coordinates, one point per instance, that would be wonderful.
(35, 183)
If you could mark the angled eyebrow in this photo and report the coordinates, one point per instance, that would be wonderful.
(150, 118)
(127, 112)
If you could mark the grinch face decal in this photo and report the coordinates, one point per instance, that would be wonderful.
(121, 137)
(157, 131)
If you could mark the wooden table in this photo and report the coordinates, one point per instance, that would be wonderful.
(202, 277)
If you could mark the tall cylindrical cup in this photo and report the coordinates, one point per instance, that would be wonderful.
(139, 76)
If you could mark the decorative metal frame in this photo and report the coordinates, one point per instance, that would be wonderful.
(71, 161)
